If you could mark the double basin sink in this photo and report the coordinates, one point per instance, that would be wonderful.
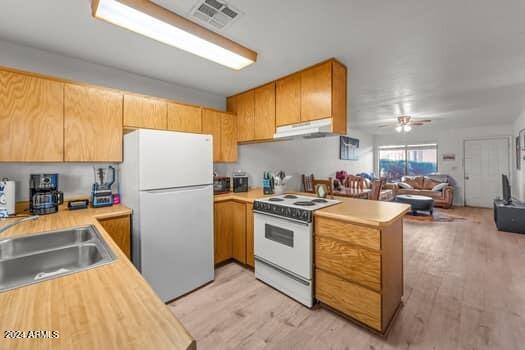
(42, 256)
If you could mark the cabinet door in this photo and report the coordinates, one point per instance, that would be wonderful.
(119, 229)
(288, 100)
(92, 124)
(316, 92)
(184, 118)
(145, 112)
(223, 225)
(265, 112)
(243, 107)
(239, 232)
(211, 124)
(228, 138)
(31, 119)
(249, 235)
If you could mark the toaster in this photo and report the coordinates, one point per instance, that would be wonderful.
(221, 184)
(240, 182)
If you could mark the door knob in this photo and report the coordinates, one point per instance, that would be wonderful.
(466, 177)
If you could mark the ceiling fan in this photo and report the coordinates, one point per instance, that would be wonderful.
(405, 123)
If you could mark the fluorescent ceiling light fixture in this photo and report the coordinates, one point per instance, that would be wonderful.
(153, 21)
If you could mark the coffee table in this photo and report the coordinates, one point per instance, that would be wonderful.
(418, 203)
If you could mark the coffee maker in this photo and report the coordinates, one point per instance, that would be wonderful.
(44, 196)
(101, 194)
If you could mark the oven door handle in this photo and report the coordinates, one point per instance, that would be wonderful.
(289, 273)
(282, 217)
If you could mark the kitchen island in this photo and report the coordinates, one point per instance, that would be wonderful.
(107, 307)
(358, 255)
(358, 260)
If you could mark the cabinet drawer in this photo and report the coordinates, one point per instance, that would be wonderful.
(354, 234)
(348, 261)
(355, 301)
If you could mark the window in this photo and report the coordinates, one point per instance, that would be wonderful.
(398, 161)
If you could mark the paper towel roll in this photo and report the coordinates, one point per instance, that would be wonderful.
(7, 196)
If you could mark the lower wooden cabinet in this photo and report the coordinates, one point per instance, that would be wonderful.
(119, 228)
(250, 258)
(239, 231)
(233, 232)
(222, 231)
(359, 270)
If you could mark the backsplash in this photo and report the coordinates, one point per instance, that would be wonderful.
(74, 179)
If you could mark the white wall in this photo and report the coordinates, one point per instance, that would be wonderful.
(518, 189)
(300, 156)
(449, 141)
(39, 61)
(76, 179)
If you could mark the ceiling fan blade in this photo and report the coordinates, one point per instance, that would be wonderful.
(422, 120)
(416, 123)
(387, 126)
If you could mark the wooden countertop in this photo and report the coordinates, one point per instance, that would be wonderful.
(361, 211)
(364, 211)
(107, 307)
(247, 197)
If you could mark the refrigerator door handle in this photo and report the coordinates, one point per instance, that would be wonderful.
(178, 189)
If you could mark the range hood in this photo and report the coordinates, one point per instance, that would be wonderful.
(316, 128)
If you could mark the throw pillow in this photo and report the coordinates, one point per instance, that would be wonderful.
(440, 187)
(405, 186)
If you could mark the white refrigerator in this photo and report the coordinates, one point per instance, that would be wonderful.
(167, 179)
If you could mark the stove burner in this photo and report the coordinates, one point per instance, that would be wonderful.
(305, 203)
(275, 199)
(290, 196)
(319, 200)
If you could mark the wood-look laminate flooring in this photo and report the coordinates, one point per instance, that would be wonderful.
(464, 289)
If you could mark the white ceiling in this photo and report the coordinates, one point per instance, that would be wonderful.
(459, 63)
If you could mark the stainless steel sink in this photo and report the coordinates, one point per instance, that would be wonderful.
(39, 257)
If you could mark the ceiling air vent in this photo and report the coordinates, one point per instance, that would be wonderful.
(216, 13)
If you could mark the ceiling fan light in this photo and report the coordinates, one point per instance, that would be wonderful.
(399, 128)
(155, 22)
(407, 128)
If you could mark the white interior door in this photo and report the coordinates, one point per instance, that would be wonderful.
(485, 161)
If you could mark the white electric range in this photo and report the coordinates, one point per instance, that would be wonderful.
(283, 230)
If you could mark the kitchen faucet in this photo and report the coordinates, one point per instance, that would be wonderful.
(14, 223)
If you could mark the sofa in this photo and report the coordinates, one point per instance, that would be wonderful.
(423, 185)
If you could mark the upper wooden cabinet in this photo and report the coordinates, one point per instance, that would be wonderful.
(317, 92)
(265, 112)
(323, 94)
(255, 111)
(184, 118)
(211, 124)
(288, 100)
(31, 119)
(222, 126)
(92, 124)
(145, 112)
(228, 137)
(243, 106)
